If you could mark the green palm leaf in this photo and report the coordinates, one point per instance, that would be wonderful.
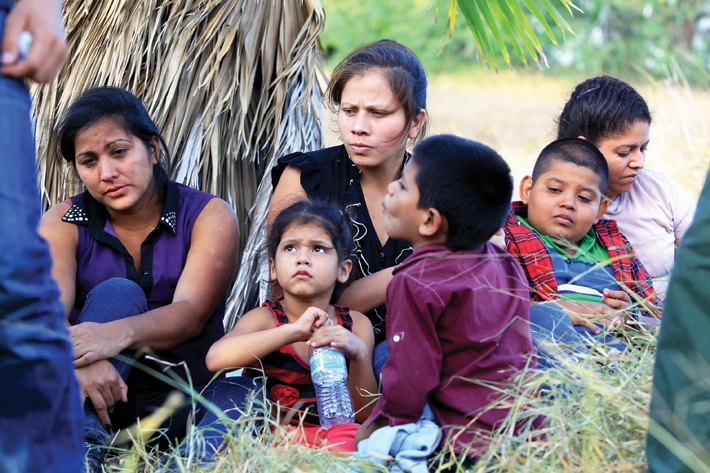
(487, 18)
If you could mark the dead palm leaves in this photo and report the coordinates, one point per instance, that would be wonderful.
(232, 84)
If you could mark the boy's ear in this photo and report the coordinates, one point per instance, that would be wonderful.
(603, 205)
(344, 272)
(433, 223)
(272, 269)
(525, 189)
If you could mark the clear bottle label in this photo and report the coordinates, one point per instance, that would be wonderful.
(327, 360)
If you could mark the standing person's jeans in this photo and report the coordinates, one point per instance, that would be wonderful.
(40, 409)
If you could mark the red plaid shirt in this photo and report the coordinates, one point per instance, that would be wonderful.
(534, 255)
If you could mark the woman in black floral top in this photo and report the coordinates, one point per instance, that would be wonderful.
(379, 94)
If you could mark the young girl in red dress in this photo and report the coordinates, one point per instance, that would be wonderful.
(309, 247)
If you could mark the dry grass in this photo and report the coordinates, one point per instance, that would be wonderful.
(595, 420)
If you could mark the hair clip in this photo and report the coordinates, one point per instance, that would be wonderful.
(588, 90)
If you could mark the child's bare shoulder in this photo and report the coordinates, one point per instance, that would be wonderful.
(362, 327)
(360, 319)
(255, 320)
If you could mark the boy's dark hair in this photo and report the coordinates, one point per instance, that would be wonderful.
(576, 151)
(468, 183)
(324, 214)
(600, 108)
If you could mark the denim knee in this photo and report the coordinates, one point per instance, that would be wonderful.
(113, 299)
(379, 359)
(233, 396)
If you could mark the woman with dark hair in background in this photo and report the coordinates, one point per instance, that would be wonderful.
(652, 210)
(379, 95)
(142, 263)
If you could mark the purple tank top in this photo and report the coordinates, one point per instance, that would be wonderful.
(100, 256)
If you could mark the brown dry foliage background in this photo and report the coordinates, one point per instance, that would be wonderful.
(515, 115)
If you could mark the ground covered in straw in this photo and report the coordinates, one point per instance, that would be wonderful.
(596, 415)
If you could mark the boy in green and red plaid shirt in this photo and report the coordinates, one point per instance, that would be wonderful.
(582, 264)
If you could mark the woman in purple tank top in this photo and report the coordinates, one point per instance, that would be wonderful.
(142, 263)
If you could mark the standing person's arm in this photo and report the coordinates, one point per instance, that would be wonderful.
(43, 20)
(677, 419)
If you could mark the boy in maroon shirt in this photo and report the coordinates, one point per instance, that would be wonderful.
(457, 308)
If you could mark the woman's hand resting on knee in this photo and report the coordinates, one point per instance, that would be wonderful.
(94, 342)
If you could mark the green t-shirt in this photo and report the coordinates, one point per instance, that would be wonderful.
(584, 276)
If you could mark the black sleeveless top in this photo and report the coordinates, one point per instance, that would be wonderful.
(288, 377)
(329, 174)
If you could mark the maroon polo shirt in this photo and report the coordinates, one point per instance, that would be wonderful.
(454, 319)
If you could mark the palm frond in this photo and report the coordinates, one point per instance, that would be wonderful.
(487, 18)
(233, 85)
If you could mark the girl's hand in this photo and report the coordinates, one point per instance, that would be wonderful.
(309, 321)
(340, 338)
(42, 19)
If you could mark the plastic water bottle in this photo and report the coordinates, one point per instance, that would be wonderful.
(330, 378)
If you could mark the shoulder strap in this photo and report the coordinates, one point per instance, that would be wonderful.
(275, 307)
(344, 317)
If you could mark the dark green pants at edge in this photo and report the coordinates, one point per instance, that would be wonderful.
(679, 430)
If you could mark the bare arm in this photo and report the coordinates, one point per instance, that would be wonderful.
(100, 382)
(287, 191)
(256, 335)
(363, 384)
(367, 293)
(43, 20)
(63, 239)
(202, 285)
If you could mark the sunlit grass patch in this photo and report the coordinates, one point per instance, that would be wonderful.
(594, 420)
(596, 416)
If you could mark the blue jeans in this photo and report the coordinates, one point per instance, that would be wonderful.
(233, 397)
(40, 409)
(112, 300)
(379, 359)
(116, 299)
(557, 340)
